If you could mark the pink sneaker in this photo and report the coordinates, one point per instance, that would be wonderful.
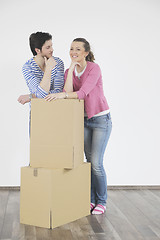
(92, 206)
(99, 209)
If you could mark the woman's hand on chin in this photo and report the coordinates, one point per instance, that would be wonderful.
(73, 64)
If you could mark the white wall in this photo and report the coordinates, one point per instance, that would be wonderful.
(125, 37)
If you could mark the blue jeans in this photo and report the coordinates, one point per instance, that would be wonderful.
(96, 135)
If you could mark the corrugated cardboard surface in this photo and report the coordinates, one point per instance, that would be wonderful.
(53, 197)
(57, 132)
(35, 197)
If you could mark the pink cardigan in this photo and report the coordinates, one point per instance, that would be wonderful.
(90, 88)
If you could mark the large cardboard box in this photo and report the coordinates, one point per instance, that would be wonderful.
(53, 197)
(57, 133)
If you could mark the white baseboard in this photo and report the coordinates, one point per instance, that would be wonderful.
(116, 187)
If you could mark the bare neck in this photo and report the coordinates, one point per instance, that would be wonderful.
(82, 67)
(40, 61)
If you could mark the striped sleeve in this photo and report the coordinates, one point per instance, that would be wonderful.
(59, 77)
(32, 82)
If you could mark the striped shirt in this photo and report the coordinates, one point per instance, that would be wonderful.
(33, 76)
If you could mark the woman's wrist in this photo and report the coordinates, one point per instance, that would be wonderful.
(71, 69)
(65, 95)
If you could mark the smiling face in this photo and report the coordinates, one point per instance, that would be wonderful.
(47, 49)
(77, 52)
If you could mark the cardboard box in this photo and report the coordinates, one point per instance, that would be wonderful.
(53, 197)
(57, 133)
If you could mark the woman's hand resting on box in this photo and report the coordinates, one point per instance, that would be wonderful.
(54, 96)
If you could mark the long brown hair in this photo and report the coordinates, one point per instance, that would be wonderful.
(90, 56)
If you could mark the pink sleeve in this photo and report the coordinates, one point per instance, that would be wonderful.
(90, 82)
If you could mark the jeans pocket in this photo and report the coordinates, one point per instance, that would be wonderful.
(100, 121)
(105, 118)
(108, 116)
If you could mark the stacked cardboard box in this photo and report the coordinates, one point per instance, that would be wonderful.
(55, 188)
